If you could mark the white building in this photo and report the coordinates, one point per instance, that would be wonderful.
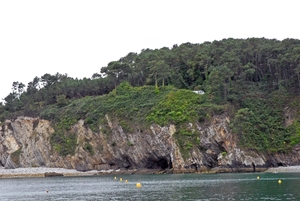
(201, 92)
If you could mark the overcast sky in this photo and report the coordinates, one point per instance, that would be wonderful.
(78, 37)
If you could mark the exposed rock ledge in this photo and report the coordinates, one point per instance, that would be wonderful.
(294, 169)
(25, 142)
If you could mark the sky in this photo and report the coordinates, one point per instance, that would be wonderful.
(78, 37)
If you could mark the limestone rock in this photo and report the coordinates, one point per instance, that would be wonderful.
(25, 142)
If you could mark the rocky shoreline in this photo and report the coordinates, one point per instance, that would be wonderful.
(42, 172)
(295, 169)
(51, 172)
(55, 172)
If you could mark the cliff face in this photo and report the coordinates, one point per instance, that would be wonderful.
(25, 142)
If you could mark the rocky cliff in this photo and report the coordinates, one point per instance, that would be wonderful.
(25, 142)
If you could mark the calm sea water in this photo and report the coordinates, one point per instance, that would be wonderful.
(237, 186)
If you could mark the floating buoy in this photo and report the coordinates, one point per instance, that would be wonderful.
(279, 181)
(126, 180)
(121, 179)
(257, 177)
(115, 178)
(138, 185)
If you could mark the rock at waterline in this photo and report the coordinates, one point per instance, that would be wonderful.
(53, 174)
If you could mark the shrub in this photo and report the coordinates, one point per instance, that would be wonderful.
(63, 142)
(259, 126)
(88, 148)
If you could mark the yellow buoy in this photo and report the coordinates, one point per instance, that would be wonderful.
(126, 180)
(115, 178)
(121, 179)
(279, 181)
(138, 185)
(257, 177)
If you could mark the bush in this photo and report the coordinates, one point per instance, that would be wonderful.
(187, 138)
(63, 142)
(88, 148)
(260, 126)
(175, 108)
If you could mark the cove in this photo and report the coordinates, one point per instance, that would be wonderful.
(227, 186)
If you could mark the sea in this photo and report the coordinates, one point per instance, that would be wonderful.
(223, 186)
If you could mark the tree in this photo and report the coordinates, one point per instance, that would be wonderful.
(116, 71)
(159, 71)
(32, 87)
(219, 82)
(47, 80)
(17, 89)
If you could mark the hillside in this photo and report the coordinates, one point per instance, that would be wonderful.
(251, 85)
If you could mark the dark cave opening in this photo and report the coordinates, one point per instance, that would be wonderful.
(194, 166)
(161, 163)
(253, 166)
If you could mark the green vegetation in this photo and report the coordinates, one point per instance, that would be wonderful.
(88, 148)
(224, 153)
(251, 80)
(176, 107)
(187, 138)
(181, 107)
(260, 123)
(126, 103)
(63, 142)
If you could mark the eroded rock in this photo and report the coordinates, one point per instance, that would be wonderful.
(25, 142)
